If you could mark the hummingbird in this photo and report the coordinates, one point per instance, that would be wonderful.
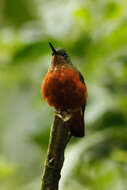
(64, 89)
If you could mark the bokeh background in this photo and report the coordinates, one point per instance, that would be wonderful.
(94, 33)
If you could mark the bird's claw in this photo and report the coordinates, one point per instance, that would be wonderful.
(64, 115)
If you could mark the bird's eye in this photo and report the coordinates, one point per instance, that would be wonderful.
(65, 56)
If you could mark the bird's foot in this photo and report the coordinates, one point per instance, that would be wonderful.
(64, 115)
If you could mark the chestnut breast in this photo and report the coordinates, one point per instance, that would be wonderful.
(63, 89)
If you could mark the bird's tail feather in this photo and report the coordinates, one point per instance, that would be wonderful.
(77, 127)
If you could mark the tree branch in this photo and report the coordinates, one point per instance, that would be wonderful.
(59, 137)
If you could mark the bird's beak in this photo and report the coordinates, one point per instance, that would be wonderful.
(53, 49)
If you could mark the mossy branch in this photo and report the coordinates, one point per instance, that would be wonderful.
(59, 137)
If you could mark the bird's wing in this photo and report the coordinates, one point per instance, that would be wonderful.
(84, 105)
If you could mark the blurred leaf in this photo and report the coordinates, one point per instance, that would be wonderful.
(6, 168)
(31, 51)
(81, 14)
(112, 9)
(18, 12)
(111, 118)
(42, 139)
(119, 155)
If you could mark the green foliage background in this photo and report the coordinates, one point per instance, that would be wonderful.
(94, 33)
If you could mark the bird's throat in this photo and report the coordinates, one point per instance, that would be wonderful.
(58, 62)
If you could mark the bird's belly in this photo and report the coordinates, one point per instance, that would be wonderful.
(63, 89)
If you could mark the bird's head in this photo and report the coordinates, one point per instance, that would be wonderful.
(59, 56)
